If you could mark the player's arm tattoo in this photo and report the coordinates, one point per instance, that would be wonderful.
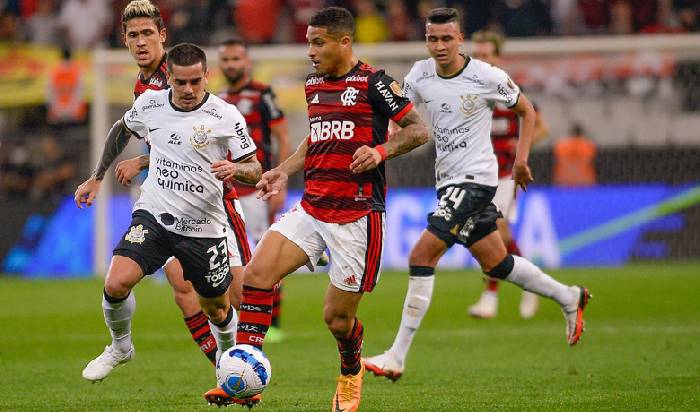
(413, 133)
(117, 139)
(248, 170)
(145, 161)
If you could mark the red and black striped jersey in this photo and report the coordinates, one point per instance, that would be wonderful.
(157, 81)
(256, 102)
(346, 113)
(505, 130)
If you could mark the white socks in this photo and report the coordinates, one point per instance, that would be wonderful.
(420, 291)
(531, 278)
(225, 332)
(118, 319)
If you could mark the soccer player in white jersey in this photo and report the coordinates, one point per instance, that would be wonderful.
(459, 94)
(180, 210)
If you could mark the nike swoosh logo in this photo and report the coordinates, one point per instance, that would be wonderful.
(428, 101)
(153, 130)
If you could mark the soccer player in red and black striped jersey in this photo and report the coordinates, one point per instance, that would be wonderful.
(144, 35)
(349, 106)
(505, 130)
(266, 125)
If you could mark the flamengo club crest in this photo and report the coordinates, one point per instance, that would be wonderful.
(137, 234)
(349, 96)
(200, 138)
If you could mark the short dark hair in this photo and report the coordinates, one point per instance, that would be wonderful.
(337, 20)
(234, 40)
(486, 36)
(442, 15)
(186, 54)
(142, 8)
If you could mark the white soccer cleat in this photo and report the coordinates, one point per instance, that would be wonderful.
(386, 365)
(575, 325)
(486, 307)
(102, 365)
(529, 303)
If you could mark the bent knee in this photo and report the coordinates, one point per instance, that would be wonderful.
(216, 314)
(258, 275)
(339, 325)
(500, 269)
(116, 287)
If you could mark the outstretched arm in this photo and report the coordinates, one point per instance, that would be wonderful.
(275, 180)
(117, 139)
(413, 133)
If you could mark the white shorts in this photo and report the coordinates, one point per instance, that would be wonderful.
(355, 248)
(236, 238)
(257, 215)
(505, 199)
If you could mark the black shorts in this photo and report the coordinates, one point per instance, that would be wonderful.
(204, 260)
(465, 214)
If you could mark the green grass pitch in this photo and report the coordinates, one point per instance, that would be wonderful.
(641, 351)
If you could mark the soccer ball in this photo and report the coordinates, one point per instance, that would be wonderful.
(243, 371)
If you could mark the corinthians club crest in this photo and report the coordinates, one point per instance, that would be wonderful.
(468, 104)
(200, 138)
(137, 234)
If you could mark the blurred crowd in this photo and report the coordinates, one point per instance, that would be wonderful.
(35, 168)
(85, 24)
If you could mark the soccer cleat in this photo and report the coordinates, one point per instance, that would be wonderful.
(486, 307)
(274, 335)
(575, 325)
(218, 397)
(348, 392)
(98, 368)
(386, 365)
(529, 303)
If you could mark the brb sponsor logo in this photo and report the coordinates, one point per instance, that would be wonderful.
(332, 129)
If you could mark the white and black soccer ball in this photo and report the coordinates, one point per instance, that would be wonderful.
(243, 371)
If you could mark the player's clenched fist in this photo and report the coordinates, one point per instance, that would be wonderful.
(365, 158)
(271, 183)
(86, 192)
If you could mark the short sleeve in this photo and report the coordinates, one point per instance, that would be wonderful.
(240, 144)
(135, 122)
(268, 99)
(409, 90)
(501, 88)
(386, 96)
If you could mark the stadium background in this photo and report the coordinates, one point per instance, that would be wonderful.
(626, 71)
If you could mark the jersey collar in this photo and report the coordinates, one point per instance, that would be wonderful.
(467, 59)
(353, 70)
